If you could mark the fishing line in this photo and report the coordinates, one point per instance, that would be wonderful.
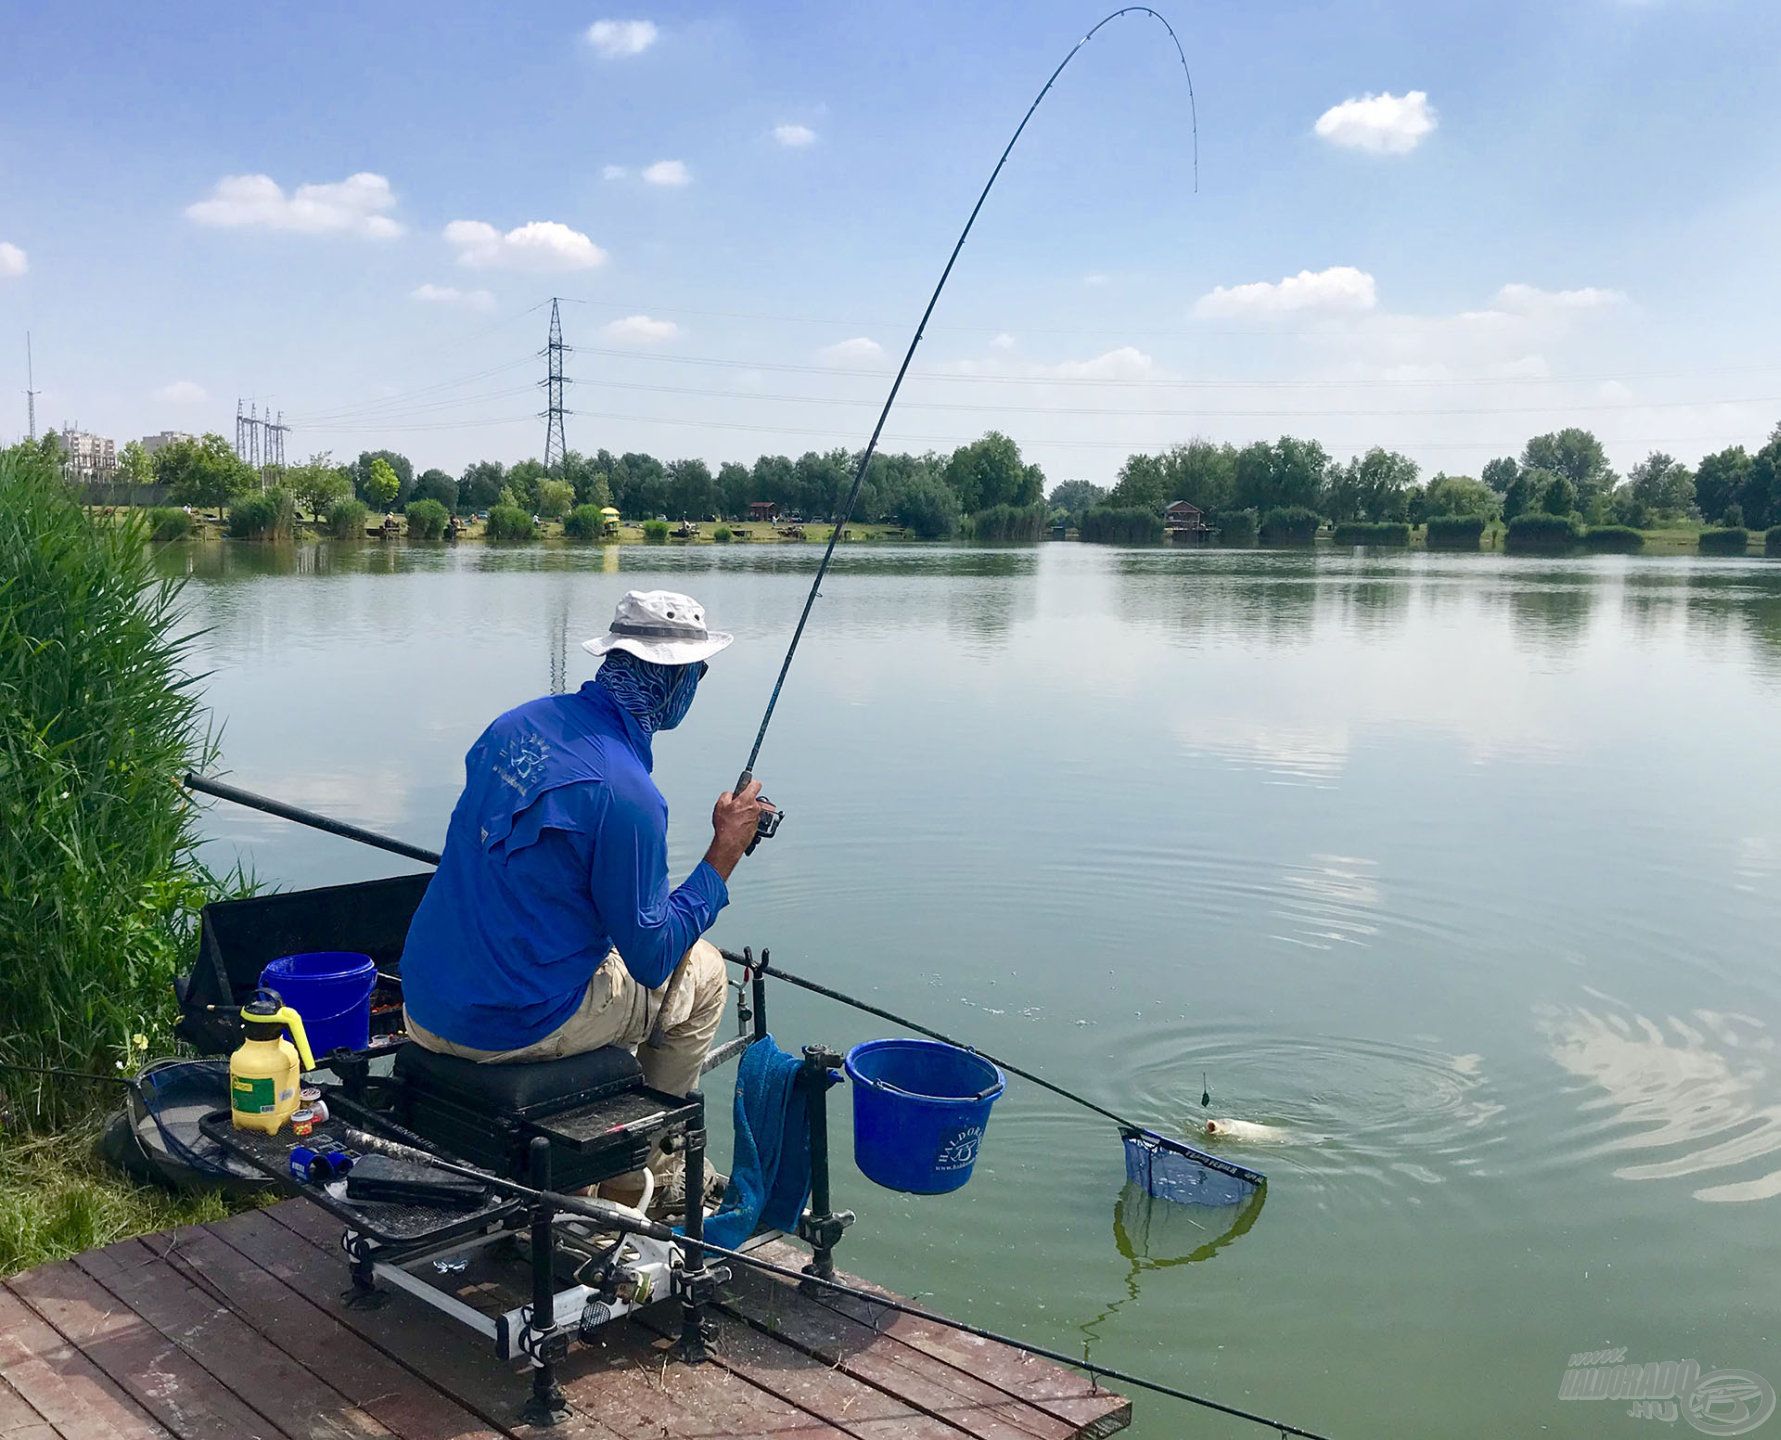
(859, 477)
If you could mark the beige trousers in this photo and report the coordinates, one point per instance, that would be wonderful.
(618, 1011)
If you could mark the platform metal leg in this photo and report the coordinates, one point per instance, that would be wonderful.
(820, 1226)
(698, 1280)
(546, 1344)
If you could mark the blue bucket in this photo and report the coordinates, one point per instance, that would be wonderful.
(331, 990)
(919, 1112)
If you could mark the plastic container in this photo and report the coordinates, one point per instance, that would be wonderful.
(331, 990)
(919, 1112)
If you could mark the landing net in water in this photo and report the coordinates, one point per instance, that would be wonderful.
(1172, 1170)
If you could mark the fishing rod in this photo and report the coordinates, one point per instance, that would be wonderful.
(613, 1217)
(859, 474)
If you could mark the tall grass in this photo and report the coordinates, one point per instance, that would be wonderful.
(1771, 541)
(99, 713)
(1613, 539)
(1454, 532)
(426, 519)
(655, 532)
(1116, 525)
(270, 515)
(1540, 532)
(509, 522)
(1011, 522)
(346, 519)
(169, 522)
(1372, 532)
(1290, 525)
(1237, 527)
(584, 522)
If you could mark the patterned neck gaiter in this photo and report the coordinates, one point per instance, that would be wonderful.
(657, 697)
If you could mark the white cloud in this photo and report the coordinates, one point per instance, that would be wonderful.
(537, 245)
(1126, 363)
(619, 39)
(613, 172)
(1531, 300)
(1341, 289)
(794, 137)
(1097, 278)
(12, 261)
(1004, 341)
(640, 330)
(451, 295)
(850, 351)
(667, 172)
(1385, 124)
(182, 392)
(353, 206)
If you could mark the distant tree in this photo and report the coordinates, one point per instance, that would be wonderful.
(380, 485)
(399, 464)
(1373, 486)
(735, 490)
(1462, 495)
(1500, 474)
(554, 498)
(1075, 496)
(203, 472)
(639, 485)
(929, 507)
(1659, 485)
(427, 519)
(1719, 480)
(135, 467)
(1578, 456)
(319, 484)
(820, 481)
(1760, 495)
(990, 472)
(523, 479)
(692, 494)
(1142, 484)
(775, 479)
(480, 485)
(438, 486)
(1559, 497)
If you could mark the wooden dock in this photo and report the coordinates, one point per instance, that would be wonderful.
(238, 1329)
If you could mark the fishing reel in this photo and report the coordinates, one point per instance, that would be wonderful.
(766, 827)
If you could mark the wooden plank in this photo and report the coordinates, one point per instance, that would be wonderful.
(1067, 1394)
(291, 1321)
(299, 1401)
(61, 1384)
(146, 1365)
(16, 1415)
(436, 1350)
(777, 1307)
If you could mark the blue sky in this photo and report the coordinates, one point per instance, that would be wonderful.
(1555, 214)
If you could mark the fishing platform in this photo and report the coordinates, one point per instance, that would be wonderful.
(241, 1328)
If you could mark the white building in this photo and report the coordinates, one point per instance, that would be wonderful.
(153, 444)
(84, 453)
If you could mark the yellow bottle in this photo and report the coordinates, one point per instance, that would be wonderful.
(265, 1078)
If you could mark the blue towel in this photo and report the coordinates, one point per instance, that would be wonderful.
(770, 1171)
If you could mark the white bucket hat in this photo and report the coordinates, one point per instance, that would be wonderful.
(660, 626)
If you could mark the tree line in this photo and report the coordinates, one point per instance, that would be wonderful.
(987, 488)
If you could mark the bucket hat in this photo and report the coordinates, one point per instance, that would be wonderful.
(660, 626)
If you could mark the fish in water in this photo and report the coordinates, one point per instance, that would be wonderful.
(1245, 1130)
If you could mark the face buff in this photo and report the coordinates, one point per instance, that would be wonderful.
(657, 697)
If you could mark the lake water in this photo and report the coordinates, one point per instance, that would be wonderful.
(1464, 872)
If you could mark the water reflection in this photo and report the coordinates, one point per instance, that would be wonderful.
(1695, 1096)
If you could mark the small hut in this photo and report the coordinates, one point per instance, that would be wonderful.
(609, 519)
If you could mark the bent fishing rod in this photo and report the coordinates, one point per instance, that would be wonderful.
(865, 460)
(612, 1217)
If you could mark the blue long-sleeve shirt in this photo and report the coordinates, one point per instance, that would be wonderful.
(557, 853)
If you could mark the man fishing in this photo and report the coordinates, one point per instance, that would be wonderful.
(550, 927)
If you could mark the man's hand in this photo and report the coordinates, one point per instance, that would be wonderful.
(733, 821)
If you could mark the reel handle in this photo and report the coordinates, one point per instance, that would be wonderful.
(767, 826)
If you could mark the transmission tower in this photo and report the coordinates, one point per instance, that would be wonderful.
(31, 391)
(553, 382)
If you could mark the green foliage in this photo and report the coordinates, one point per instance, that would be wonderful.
(1372, 532)
(1559, 497)
(427, 520)
(346, 519)
(1121, 525)
(989, 472)
(1730, 540)
(203, 472)
(1075, 496)
(99, 875)
(1238, 527)
(584, 523)
(1461, 495)
(369, 487)
(1499, 474)
(319, 484)
(479, 486)
(169, 523)
(929, 508)
(722, 535)
(1538, 531)
(554, 498)
(270, 515)
(1660, 486)
(509, 522)
(135, 466)
(380, 484)
(1374, 486)
(1454, 532)
(1290, 525)
(1577, 456)
(655, 532)
(436, 485)
(1199, 472)
(1011, 522)
(1771, 542)
(1613, 539)
(1719, 480)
